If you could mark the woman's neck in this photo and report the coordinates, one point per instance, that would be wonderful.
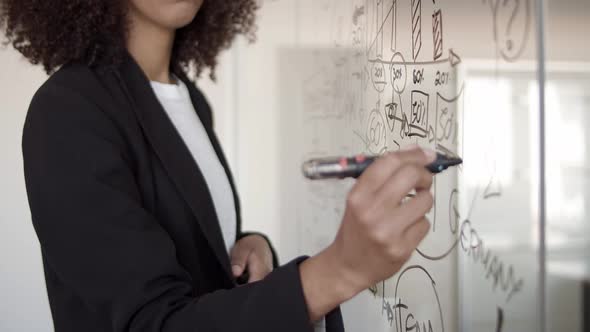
(151, 46)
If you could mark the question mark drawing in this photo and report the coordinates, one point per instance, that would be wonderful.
(509, 41)
(512, 27)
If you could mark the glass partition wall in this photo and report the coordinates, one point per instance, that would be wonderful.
(567, 177)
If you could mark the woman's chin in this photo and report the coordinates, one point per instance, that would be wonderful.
(182, 13)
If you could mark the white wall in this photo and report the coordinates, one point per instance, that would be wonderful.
(23, 301)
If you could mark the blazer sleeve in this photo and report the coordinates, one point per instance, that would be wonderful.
(111, 252)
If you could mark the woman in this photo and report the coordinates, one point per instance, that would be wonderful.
(132, 199)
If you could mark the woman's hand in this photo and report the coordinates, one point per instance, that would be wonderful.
(251, 253)
(381, 229)
(379, 232)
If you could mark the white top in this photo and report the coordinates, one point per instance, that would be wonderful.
(177, 103)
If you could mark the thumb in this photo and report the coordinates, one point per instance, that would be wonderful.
(237, 269)
(239, 259)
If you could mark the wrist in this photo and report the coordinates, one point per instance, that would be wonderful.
(326, 283)
(348, 278)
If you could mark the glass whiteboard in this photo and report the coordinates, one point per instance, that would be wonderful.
(458, 77)
(343, 77)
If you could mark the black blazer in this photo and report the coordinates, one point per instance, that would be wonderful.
(129, 236)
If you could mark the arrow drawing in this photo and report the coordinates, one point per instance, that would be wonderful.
(453, 59)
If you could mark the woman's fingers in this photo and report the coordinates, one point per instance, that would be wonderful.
(398, 221)
(256, 268)
(239, 259)
(417, 207)
(387, 205)
(378, 232)
(252, 254)
(416, 232)
(386, 166)
(408, 178)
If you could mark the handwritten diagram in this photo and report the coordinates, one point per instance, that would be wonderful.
(393, 80)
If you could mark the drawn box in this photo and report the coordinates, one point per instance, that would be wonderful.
(419, 114)
(446, 127)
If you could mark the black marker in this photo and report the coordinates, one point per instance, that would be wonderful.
(343, 167)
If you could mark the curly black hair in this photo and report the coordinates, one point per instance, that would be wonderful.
(54, 33)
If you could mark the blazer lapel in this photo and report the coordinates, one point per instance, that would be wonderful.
(174, 155)
(204, 111)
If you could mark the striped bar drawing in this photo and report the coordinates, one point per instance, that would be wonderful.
(416, 28)
(437, 34)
